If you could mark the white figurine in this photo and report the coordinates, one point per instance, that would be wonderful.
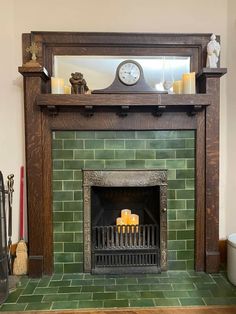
(213, 52)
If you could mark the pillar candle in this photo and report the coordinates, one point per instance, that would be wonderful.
(125, 213)
(67, 89)
(120, 222)
(57, 85)
(178, 87)
(189, 83)
(134, 220)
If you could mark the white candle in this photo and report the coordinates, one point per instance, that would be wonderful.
(125, 213)
(57, 85)
(178, 87)
(67, 89)
(189, 83)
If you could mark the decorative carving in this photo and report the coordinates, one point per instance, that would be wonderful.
(78, 83)
(34, 50)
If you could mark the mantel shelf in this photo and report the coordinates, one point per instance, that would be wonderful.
(113, 100)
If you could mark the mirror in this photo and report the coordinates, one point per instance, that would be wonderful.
(99, 71)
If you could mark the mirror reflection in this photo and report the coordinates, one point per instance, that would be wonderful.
(99, 71)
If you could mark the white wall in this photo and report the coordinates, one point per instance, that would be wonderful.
(17, 17)
(230, 205)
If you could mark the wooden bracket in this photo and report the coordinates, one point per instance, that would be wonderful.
(124, 111)
(89, 111)
(158, 111)
(52, 110)
(194, 110)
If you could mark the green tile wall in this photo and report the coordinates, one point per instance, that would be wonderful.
(75, 150)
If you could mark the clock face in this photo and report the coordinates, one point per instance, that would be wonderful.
(129, 72)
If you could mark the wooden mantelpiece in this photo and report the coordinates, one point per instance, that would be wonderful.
(45, 112)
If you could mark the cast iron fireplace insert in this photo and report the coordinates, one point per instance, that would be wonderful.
(109, 248)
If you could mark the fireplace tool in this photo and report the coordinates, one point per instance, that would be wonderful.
(3, 245)
(10, 190)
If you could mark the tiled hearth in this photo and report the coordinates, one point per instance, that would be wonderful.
(79, 291)
(73, 151)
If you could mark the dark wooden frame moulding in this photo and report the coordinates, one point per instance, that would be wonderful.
(45, 112)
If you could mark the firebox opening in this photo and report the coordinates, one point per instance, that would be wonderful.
(128, 248)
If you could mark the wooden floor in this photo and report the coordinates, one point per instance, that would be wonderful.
(170, 310)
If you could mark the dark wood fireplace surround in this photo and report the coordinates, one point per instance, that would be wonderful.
(45, 112)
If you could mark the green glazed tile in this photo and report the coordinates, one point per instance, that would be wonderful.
(30, 298)
(185, 255)
(114, 144)
(135, 144)
(72, 185)
(166, 154)
(63, 257)
(62, 216)
(57, 144)
(73, 226)
(85, 134)
(116, 303)
(73, 247)
(138, 287)
(47, 290)
(80, 296)
(73, 267)
(183, 286)
(73, 276)
(62, 175)
(64, 135)
(57, 185)
(82, 282)
(190, 204)
(84, 154)
(128, 281)
(190, 244)
(172, 235)
(104, 295)
(125, 154)
(13, 307)
(62, 154)
(175, 294)
(57, 206)
(145, 134)
(73, 164)
(185, 153)
(79, 237)
(171, 214)
(92, 289)
(166, 302)
(176, 164)
(151, 294)
(135, 164)
(185, 174)
(176, 245)
(116, 288)
(185, 214)
(62, 196)
(191, 163)
(176, 204)
(104, 282)
(185, 234)
(58, 164)
(45, 280)
(141, 303)
(171, 174)
(58, 268)
(145, 154)
(180, 265)
(59, 305)
(190, 184)
(94, 144)
(59, 283)
(90, 304)
(177, 225)
(185, 194)
(176, 184)
(125, 134)
(79, 257)
(177, 143)
(191, 301)
(73, 206)
(13, 296)
(128, 295)
(104, 154)
(63, 237)
(105, 134)
(171, 194)
(30, 288)
(94, 164)
(38, 306)
(155, 163)
(156, 144)
(73, 144)
(115, 164)
(190, 224)
(69, 290)
(200, 293)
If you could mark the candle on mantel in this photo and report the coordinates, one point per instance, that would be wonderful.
(178, 87)
(189, 83)
(120, 222)
(67, 89)
(57, 85)
(134, 220)
(125, 214)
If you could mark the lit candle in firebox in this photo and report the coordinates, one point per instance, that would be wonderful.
(125, 214)
(120, 222)
(134, 220)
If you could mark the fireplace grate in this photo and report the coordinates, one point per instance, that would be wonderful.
(125, 249)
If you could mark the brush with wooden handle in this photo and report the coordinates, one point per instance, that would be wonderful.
(20, 266)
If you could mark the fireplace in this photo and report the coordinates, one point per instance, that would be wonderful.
(46, 113)
(109, 248)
